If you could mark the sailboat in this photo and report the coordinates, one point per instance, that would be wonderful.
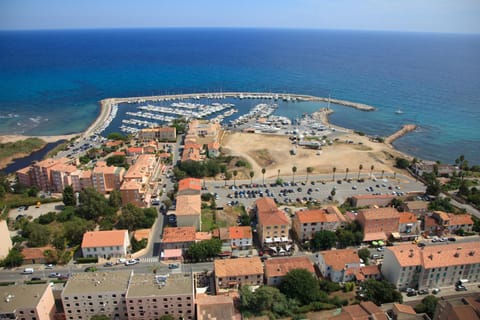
(399, 111)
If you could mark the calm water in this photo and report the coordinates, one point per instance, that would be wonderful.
(50, 81)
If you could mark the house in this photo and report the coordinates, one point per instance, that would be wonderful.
(306, 223)
(87, 294)
(178, 238)
(104, 244)
(134, 151)
(406, 312)
(276, 269)
(240, 237)
(368, 272)
(189, 211)
(370, 200)
(408, 266)
(408, 227)
(35, 255)
(33, 301)
(5, 240)
(378, 223)
(150, 296)
(417, 207)
(272, 227)
(192, 151)
(215, 307)
(442, 223)
(363, 311)
(234, 273)
(189, 186)
(430, 166)
(338, 265)
(213, 149)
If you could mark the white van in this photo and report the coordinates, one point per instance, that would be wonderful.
(27, 271)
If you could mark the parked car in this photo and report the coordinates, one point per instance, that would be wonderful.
(49, 266)
(460, 287)
(54, 275)
(435, 290)
(411, 293)
(423, 291)
(452, 239)
(36, 279)
(108, 264)
(131, 262)
(173, 266)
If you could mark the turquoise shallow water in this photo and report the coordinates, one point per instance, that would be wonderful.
(51, 81)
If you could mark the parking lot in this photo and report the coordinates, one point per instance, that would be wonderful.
(316, 189)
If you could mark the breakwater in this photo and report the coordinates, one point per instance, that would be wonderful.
(406, 128)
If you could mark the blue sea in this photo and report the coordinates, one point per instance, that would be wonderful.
(51, 81)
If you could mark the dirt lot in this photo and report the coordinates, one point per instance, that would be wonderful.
(272, 152)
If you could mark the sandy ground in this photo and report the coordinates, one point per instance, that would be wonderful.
(272, 152)
(48, 139)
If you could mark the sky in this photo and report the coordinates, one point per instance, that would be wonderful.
(444, 16)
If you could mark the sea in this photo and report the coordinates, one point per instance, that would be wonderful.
(51, 81)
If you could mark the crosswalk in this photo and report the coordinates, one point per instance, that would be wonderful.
(149, 259)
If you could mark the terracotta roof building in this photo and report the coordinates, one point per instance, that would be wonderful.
(240, 237)
(111, 243)
(338, 265)
(215, 307)
(431, 266)
(378, 223)
(458, 308)
(178, 238)
(417, 207)
(189, 211)
(306, 223)
(276, 269)
(160, 133)
(408, 224)
(233, 273)
(364, 311)
(441, 223)
(35, 255)
(189, 186)
(363, 200)
(273, 227)
(105, 178)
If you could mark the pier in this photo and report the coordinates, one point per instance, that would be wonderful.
(403, 131)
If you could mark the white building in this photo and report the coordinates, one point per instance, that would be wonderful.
(338, 265)
(104, 244)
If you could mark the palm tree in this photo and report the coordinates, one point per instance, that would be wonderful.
(394, 175)
(383, 172)
(309, 170)
(334, 169)
(228, 176)
(278, 174)
(360, 167)
(371, 170)
(346, 173)
(263, 173)
(294, 169)
(235, 172)
(251, 176)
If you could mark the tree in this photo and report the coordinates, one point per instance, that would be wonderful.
(433, 188)
(383, 172)
(265, 300)
(116, 136)
(93, 205)
(278, 174)
(364, 254)
(380, 292)
(334, 169)
(228, 176)
(74, 229)
(360, 167)
(323, 240)
(346, 173)
(294, 169)
(235, 172)
(38, 235)
(301, 285)
(252, 173)
(14, 258)
(371, 170)
(309, 170)
(69, 196)
(401, 163)
(263, 175)
(203, 250)
(428, 305)
(115, 199)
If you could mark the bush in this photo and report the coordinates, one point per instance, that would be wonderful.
(87, 260)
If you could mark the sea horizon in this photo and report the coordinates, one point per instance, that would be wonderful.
(52, 80)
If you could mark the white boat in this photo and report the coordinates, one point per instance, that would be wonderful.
(399, 111)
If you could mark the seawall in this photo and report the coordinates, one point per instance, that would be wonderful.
(406, 128)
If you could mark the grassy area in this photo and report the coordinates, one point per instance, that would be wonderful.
(26, 146)
(208, 219)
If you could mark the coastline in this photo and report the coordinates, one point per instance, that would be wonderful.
(406, 128)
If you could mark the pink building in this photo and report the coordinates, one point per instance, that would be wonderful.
(28, 302)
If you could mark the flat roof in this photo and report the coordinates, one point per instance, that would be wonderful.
(145, 284)
(96, 282)
(21, 296)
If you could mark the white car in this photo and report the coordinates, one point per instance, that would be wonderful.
(131, 262)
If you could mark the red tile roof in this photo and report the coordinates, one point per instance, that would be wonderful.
(92, 239)
(275, 218)
(189, 184)
(337, 259)
(279, 267)
(380, 213)
(178, 234)
(266, 205)
(238, 267)
(34, 253)
(460, 219)
(407, 217)
(240, 232)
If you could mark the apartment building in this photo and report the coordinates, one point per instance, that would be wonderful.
(306, 223)
(27, 302)
(273, 227)
(431, 266)
(142, 169)
(88, 294)
(62, 176)
(160, 134)
(178, 238)
(234, 273)
(81, 179)
(441, 223)
(132, 192)
(105, 178)
(370, 200)
(378, 223)
(189, 211)
(276, 269)
(151, 296)
(39, 173)
(104, 244)
(338, 265)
